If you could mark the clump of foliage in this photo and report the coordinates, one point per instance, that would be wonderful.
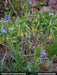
(27, 35)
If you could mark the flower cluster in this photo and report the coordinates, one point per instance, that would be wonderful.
(23, 7)
(4, 30)
(30, 2)
(42, 53)
(52, 14)
(30, 17)
(7, 18)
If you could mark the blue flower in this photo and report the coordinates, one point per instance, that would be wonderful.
(30, 2)
(42, 53)
(30, 17)
(51, 14)
(23, 7)
(4, 30)
(7, 18)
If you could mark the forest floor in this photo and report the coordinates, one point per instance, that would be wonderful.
(2, 52)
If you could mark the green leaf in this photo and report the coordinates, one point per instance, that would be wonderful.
(17, 47)
(37, 51)
(52, 48)
(30, 66)
(10, 44)
(51, 31)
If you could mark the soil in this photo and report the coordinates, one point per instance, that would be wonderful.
(2, 50)
(55, 66)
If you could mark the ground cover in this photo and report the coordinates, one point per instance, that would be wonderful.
(28, 43)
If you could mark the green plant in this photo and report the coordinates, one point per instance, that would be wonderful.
(52, 48)
(24, 34)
